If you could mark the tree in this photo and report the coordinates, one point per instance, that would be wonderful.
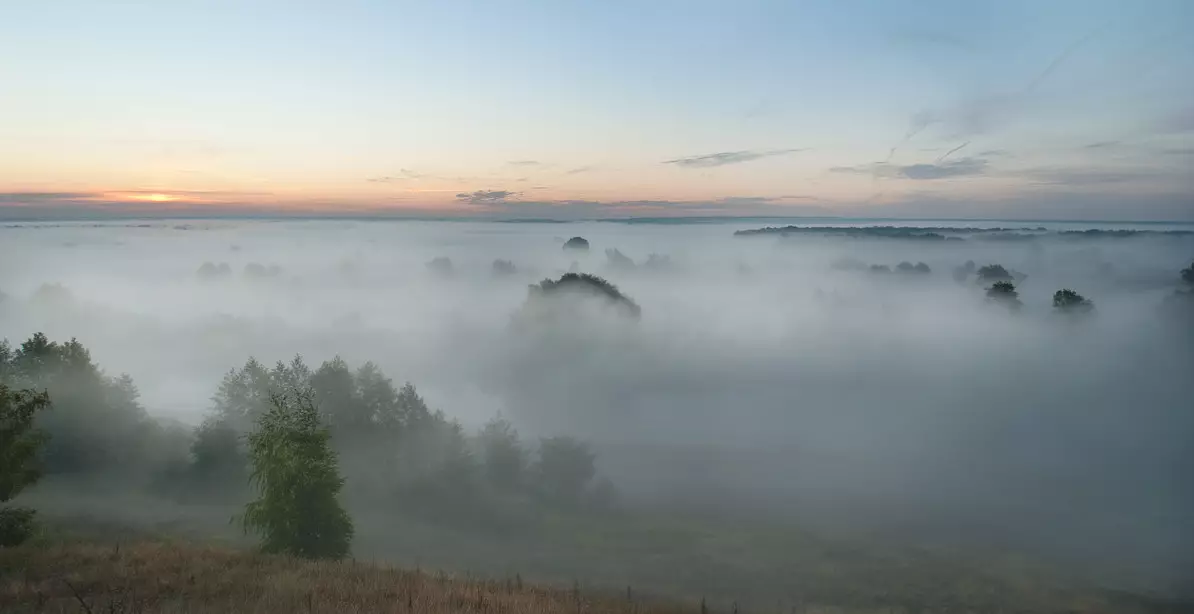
(295, 470)
(578, 285)
(576, 243)
(97, 423)
(503, 454)
(504, 267)
(216, 455)
(1068, 301)
(1188, 274)
(993, 272)
(565, 468)
(618, 260)
(19, 445)
(1004, 292)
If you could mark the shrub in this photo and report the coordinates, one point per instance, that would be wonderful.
(17, 525)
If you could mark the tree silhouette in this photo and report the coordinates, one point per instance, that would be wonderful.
(295, 471)
(1188, 274)
(565, 468)
(504, 267)
(1004, 292)
(502, 453)
(576, 243)
(1068, 301)
(993, 272)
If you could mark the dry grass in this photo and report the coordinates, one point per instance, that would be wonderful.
(179, 577)
(147, 577)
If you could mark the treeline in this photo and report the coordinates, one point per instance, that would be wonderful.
(394, 451)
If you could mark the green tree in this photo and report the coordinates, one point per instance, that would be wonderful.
(565, 468)
(1004, 292)
(97, 423)
(295, 470)
(1068, 301)
(503, 455)
(216, 455)
(19, 446)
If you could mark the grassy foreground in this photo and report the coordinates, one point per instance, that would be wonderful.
(179, 577)
(154, 576)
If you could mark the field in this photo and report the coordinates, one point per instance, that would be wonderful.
(180, 577)
(144, 555)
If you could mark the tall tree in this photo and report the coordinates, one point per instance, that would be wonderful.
(503, 454)
(295, 470)
(19, 445)
(565, 468)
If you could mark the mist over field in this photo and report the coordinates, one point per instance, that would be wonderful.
(773, 376)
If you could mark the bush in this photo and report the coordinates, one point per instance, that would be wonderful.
(295, 470)
(994, 272)
(17, 525)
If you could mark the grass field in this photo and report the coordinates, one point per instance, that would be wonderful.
(180, 577)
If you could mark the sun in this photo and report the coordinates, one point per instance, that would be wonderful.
(157, 197)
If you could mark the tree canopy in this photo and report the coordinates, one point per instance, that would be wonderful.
(1068, 301)
(295, 471)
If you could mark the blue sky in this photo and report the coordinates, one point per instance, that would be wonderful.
(568, 109)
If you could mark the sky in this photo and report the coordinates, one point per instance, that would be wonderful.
(1068, 109)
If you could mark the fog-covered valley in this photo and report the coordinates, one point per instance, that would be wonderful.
(775, 375)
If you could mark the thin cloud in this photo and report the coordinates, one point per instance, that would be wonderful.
(485, 197)
(727, 157)
(578, 170)
(952, 152)
(965, 167)
(524, 163)
(1103, 145)
(403, 175)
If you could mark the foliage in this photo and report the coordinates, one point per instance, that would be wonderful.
(295, 471)
(1068, 301)
(17, 525)
(19, 445)
(584, 284)
(216, 454)
(576, 243)
(504, 267)
(1004, 292)
(19, 439)
(565, 468)
(504, 458)
(993, 272)
(97, 423)
(1188, 274)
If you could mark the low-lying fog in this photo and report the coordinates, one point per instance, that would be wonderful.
(768, 373)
